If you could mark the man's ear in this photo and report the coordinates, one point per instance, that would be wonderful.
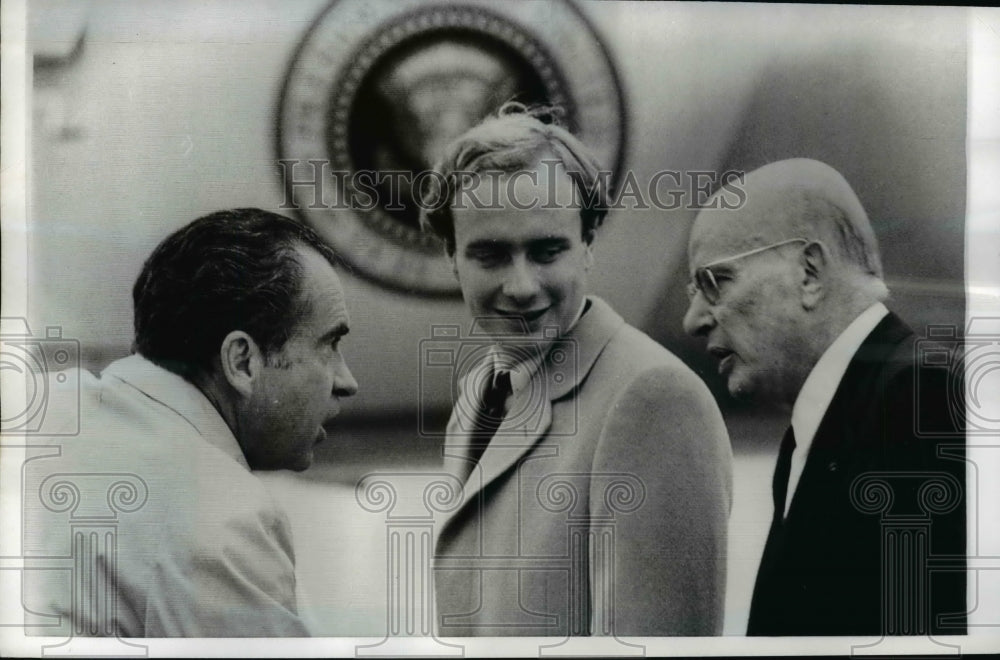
(242, 361)
(814, 261)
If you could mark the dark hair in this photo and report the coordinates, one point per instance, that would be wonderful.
(230, 270)
(519, 137)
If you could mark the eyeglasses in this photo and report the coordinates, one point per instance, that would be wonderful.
(705, 280)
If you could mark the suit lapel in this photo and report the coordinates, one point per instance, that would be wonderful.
(529, 416)
(457, 446)
(838, 434)
(830, 462)
(528, 419)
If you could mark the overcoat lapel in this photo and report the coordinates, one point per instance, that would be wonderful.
(836, 437)
(529, 417)
(458, 443)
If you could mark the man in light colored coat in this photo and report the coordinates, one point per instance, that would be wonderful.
(163, 530)
(596, 466)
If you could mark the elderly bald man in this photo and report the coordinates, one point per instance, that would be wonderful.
(788, 292)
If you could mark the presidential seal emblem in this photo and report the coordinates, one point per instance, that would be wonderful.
(375, 90)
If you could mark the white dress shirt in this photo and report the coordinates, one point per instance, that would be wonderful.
(820, 386)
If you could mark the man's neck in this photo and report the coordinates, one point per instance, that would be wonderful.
(216, 393)
(820, 336)
(826, 332)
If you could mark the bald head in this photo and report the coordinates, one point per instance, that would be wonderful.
(796, 198)
(777, 280)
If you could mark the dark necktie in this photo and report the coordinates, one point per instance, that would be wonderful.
(781, 472)
(490, 414)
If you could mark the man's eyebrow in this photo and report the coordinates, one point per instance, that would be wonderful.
(486, 243)
(551, 240)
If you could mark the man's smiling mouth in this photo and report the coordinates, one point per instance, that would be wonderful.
(530, 316)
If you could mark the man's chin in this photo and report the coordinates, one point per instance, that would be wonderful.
(301, 462)
(541, 325)
(501, 329)
(757, 393)
(739, 388)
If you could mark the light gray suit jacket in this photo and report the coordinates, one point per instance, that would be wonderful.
(154, 520)
(601, 504)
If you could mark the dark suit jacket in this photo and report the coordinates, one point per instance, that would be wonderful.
(878, 516)
(614, 432)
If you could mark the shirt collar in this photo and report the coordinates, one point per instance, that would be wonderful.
(522, 372)
(182, 397)
(821, 384)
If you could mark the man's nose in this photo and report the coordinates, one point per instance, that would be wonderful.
(521, 280)
(343, 381)
(698, 320)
